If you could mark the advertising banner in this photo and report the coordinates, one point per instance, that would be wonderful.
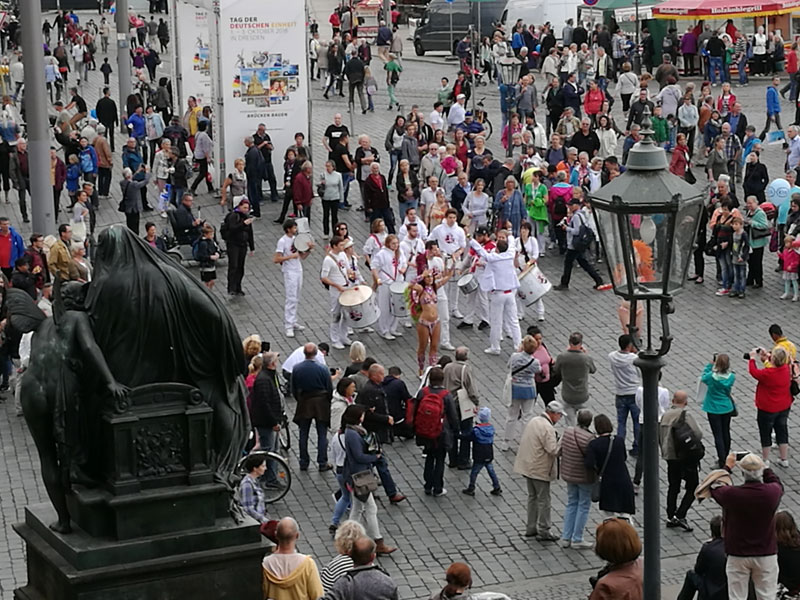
(193, 55)
(263, 74)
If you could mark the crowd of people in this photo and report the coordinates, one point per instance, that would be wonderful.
(444, 211)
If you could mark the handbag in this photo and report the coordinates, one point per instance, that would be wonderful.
(364, 483)
(735, 411)
(465, 405)
(597, 484)
(689, 177)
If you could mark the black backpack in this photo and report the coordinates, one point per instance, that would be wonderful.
(584, 237)
(687, 445)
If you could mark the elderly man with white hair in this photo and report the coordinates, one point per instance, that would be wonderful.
(131, 203)
(749, 527)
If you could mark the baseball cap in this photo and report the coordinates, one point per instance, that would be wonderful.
(460, 96)
(555, 407)
(575, 201)
(751, 462)
(468, 113)
(482, 230)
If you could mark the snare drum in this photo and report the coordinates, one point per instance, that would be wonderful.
(468, 283)
(359, 307)
(397, 301)
(303, 241)
(532, 285)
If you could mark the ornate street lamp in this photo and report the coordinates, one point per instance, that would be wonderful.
(648, 220)
(509, 71)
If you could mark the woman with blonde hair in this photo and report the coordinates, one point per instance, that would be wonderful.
(358, 353)
(346, 535)
(524, 367)
(251, 345)
(773, 400)
(235, 183)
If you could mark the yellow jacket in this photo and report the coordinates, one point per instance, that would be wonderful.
(303, 583)
(59, 260)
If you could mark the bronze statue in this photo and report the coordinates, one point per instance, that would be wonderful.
(145, 319)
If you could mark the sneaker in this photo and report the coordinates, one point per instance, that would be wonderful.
(332, 529)
(582, 545)
(347, 342)
(672, 522)
(299, 327)
(547, 537)
(782, 462)
(470, 491)
(483, 325)
(397, 334)
(722, 292)
(163, 214)
(457, 314)
(389, 337)
(442, 492)
(683, 524)
(496, 492)
(338, 346)
(368, 330)
(564, 543)
(290, 333)
(541, 319)
(408, 325)
(561, 287)
(447, 347)
(795, 298)
(492, 351)
(603, 287)
(784, 296)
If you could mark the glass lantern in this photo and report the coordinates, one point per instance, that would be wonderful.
(647, 219)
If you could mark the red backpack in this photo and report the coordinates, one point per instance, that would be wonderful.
(429, 419)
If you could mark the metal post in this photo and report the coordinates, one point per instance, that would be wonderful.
(509, 100)
(123, 60)
(35, 100)
(177, 74)
(217, 93)
(474, 79)
(637, 57)
(650, 364)
(452, 49)
(387, 14)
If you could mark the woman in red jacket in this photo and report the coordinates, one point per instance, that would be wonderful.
(302, 194)
(593, 100)
(773, 401)
(680, 157)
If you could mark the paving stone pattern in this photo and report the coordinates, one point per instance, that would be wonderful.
(483, 531)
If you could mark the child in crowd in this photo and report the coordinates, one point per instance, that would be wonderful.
(207, 254)
(483, 452)
(73, 177)
(790, 260)
(740, 251)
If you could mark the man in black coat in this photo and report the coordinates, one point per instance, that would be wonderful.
(266, 410)
(708, 576)
(636, 113)
(354, 71)
(378, 420)
(22, 279)
(187, 226)
(107, 114)
(313, 389)
(397, 395)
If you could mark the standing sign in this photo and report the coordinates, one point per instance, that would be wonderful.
(263, 73)
(193, 54)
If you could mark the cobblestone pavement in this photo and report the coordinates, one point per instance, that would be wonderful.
(483, 531)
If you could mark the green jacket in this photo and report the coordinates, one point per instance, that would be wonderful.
(718, 399)
(536, 202)
(659, 125)
(759, 221)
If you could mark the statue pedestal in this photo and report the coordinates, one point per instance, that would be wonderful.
(220, 562)
(157, 526)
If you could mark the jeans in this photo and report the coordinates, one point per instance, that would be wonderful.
(346, 179)
(579, 500)
(394, 158)
(743, 70)
(389, 486)
(627, 404)
(459, 453)
(739, 277)
(433, 475)
(715, 63)
(202, 176)
(402, 207)
(721, 429)
(639, 467)
(477, 467)
(569, 260)
(322, 442)
(268, 439)
(726, 268)
(343, 503)
(358, 87)
(269, 175)
(677, 472)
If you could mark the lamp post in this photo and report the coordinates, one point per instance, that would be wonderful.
(509, 72)
(648, 220)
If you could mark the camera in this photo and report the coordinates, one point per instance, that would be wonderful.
(746, 355)
(741, 455)
(265, 346)
(333, 371)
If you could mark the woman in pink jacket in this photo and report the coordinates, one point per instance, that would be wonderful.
(593, 100)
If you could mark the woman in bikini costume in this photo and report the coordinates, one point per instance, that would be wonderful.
(425, 313)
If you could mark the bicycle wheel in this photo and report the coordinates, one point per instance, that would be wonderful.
(284, 435)
(487, 128)
(276, 491)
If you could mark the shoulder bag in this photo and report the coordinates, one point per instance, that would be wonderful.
(597, 484)
(465, 405)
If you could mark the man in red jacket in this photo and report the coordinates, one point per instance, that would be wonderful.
(749, 528)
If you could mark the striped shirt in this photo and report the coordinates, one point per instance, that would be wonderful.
(340, 565)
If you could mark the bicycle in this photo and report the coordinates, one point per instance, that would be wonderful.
(481, 116)
(272, 491)
(284, 435)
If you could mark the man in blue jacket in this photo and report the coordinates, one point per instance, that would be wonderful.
(12, 247)
(773, 108)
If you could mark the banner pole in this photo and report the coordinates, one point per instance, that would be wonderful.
(217, 94)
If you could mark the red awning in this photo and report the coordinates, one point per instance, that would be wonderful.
(723, 9)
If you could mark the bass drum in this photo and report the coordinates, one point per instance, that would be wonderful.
(397, 301)
(359, 306)
(532, 285)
